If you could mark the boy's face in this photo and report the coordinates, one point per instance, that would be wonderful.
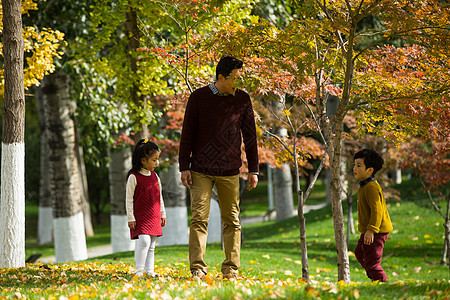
(360, 171)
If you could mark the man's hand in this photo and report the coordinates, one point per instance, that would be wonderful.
(186, 178)
(132, 224)
(163, 222)
(368, 237)
(252, 181)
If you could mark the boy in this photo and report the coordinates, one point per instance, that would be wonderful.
(374, 222)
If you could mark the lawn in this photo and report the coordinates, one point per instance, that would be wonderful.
(270, 265)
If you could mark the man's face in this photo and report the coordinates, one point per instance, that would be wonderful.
(229, 83)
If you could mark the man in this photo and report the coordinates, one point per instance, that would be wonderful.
(217, 118)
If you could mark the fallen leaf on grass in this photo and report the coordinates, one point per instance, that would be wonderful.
(209, 280)
(311, 292)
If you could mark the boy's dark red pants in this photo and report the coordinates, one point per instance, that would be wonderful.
(369, 256)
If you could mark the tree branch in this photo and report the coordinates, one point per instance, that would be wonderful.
(433, 202)
(280, 141)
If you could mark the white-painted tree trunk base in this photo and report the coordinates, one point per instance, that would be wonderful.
(45, 225)
(70, 239)
(215, 223)
(120, 234)
(12, 206)
(175, 232)
(282, 190)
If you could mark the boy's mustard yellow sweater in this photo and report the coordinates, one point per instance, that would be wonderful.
(372, 210)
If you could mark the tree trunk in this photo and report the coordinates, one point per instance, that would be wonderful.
(70, 241)
(282, 182)
(444, 250)
(118, 169)
(447, 238)
(336, 203)
(132, 30)
(447, 228)
(302, 225)
(83, 184)
(45, 218)
(12, 199)
(350, 223)
(174, 194)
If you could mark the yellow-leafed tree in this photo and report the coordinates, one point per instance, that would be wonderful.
(40, 48)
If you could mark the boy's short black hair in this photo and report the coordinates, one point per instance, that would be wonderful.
(226, 65)
(372, 159)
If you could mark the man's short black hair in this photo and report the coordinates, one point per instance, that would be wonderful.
(226, 65)
(372, 159)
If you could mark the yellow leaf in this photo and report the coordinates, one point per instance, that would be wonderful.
(287, 113)
(427, 236)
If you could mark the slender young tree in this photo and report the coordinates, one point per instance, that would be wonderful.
(12, 204)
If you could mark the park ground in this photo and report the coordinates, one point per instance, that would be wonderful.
(270, 263)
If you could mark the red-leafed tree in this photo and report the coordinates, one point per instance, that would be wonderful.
(321, 54)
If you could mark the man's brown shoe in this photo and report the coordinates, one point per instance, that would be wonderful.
(198, 274)
(229, 276)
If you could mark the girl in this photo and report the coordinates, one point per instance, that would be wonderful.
(145, 205)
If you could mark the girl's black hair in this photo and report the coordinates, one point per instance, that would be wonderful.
(144, 148)
(372, 159)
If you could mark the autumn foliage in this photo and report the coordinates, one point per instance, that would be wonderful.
(41, 47)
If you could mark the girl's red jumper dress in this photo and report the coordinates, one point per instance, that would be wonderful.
(146, 206)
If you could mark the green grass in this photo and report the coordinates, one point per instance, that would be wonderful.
(255, 202)
(270, 265)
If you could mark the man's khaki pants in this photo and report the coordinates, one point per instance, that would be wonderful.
(228, 194)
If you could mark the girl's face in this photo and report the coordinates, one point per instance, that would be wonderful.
(360, 171)
(151, 162)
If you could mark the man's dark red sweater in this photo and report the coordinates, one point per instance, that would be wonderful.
(211, 136)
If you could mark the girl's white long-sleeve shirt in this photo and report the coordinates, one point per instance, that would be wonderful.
(131, 186)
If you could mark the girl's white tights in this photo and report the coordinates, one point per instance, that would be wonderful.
(145, 254)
